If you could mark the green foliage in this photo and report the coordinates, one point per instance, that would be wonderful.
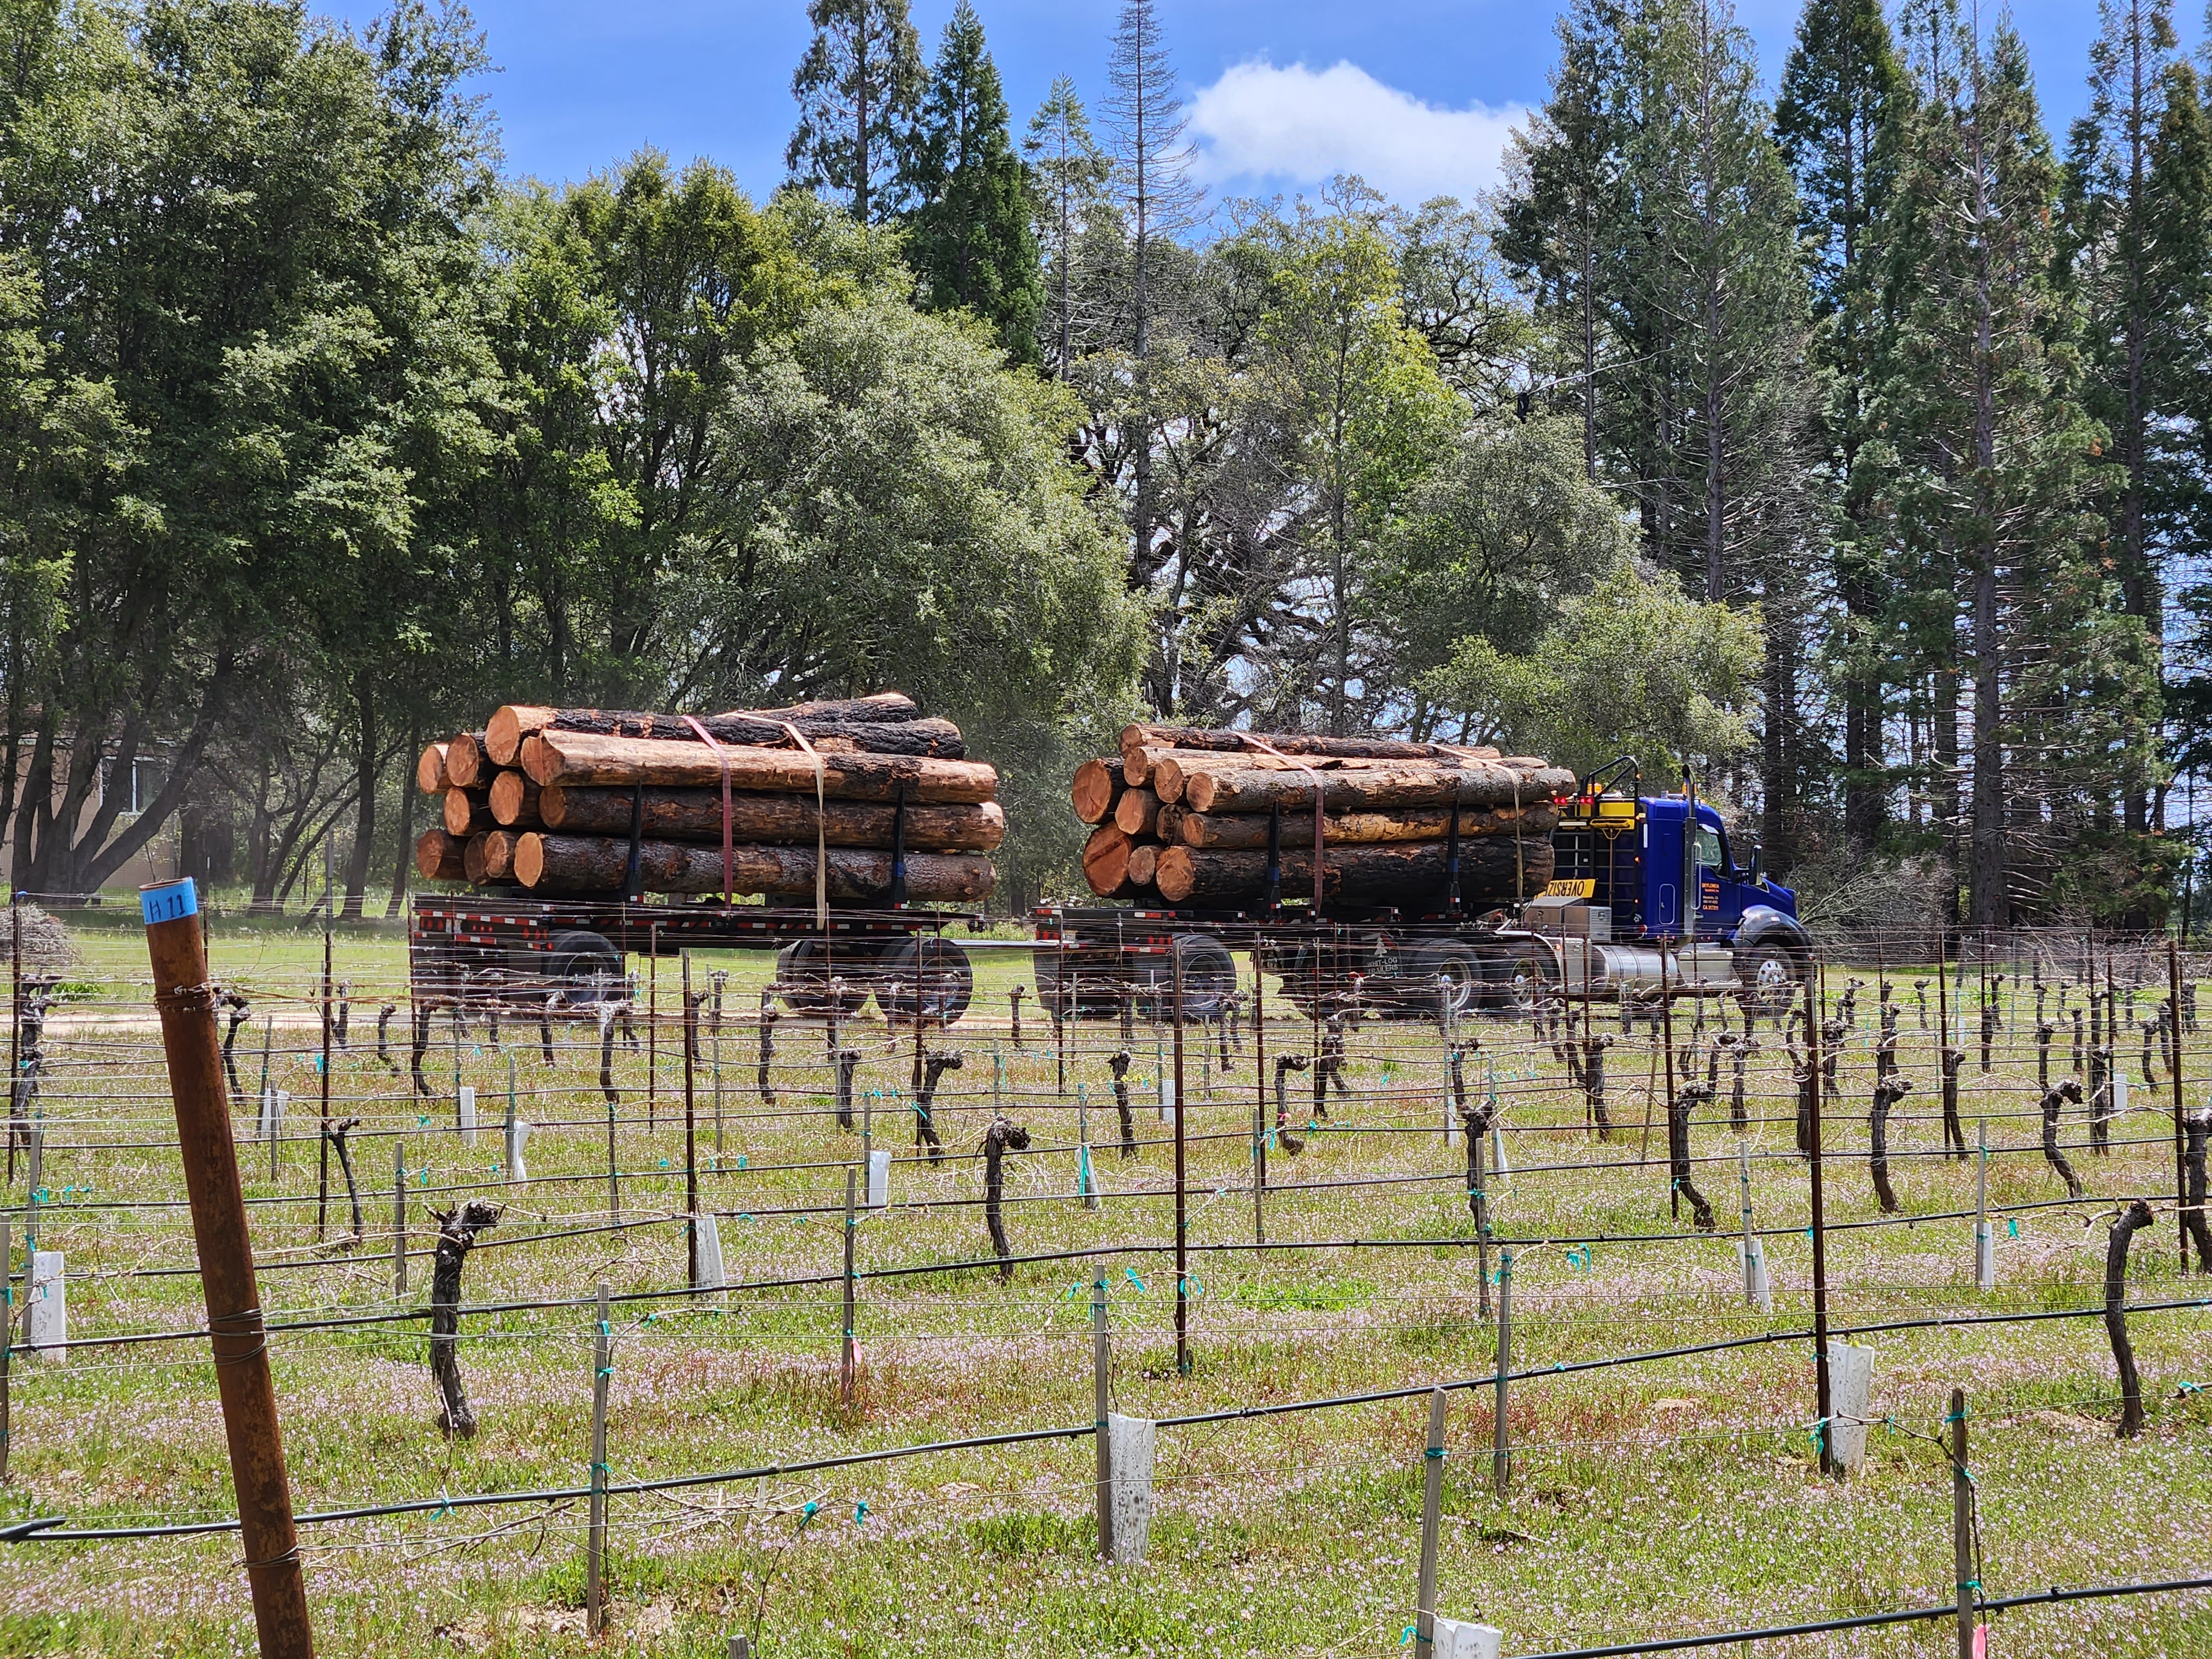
(858, 89)
(1634, 667)
(970, 235)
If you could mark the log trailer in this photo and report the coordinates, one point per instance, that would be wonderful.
(1610, 924)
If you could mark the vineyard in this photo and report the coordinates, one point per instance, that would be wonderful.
(850, 1403)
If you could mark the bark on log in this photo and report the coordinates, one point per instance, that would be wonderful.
(514, 802)
(1216, 740)
(1098, 785)
(1240, 831)
(468, 811)
(2133, 1220)
(430, 770)
(870, 723)
(1144, 863)
(1220, 783)
(1137, 812)
(473, 858)
(439, 856)
(585, 864)
(696, 815)
(1106, 861)
(465, 766)
(579, 757)
(1391, 874)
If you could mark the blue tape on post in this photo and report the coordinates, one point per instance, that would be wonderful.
(172, 901)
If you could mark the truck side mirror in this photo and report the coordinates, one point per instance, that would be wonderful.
(1757, 865)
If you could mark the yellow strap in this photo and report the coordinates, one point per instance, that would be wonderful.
(821, 836)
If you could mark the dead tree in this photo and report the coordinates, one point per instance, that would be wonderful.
(1686, 1100)
(1285, 1065)
(457, 1235)
(336, 1134)
(925, 1118)
(1119, 1062)
(2197, 1128)
(2133, 1220)
(1886, 1094)
(997, 1139)
(2068, 1091)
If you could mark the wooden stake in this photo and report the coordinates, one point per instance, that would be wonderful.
(399, 1218)
(652, 1027)
(323, 1182)
(852, 1229)
(1501, 1455)
(1101, 1354)
(1183, 1192)
(8, 1333)
(2180, 1143)
(691, 1122)
(1432, 1494)
(595, 1604)
(1820, 1381)
(1962, 1524)
(185, 1000)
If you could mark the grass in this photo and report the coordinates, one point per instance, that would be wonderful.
(1647, 1500)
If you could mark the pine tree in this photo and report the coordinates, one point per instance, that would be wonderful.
(969, 234)
(858, 89)
(2133, 289)
(1146, 124)
(1982, 467)
(1070, 172)
(1844, 98)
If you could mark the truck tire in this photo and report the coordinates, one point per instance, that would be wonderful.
(585, 968)
(934, 978)
(1770, 976)
(1209, 979)
(1449, 960)
(802, 973)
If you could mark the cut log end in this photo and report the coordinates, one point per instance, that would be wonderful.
(1097, 785)
(440, 857)
(430, 770)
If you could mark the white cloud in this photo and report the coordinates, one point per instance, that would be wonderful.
(1304, 126)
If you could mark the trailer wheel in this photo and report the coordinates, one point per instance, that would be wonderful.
(803, 972)
(586, 966)
(1209, 979)
(934, 981)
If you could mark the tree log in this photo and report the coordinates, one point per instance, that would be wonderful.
(468, 811)
(1392, 872)
(597, 864)
(1144, 863)
(1230, 832)
(430, 770)
(1220, 741)
(1211, 783)
(579, 757)
(696, 815)
(514, 802)
(1137, 812)
(498, 855)
(439, 856)
(833, 722)
(473, 858)
(1106, 861)
(1098, 785)
(465, 766)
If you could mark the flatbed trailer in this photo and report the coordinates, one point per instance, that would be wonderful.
(556, 956)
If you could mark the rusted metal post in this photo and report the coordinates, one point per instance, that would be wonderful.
(185, 1000)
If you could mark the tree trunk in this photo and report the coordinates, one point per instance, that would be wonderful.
(1233, 832)
(1137, 812)
(364, 823)
(689, 814)
(457, 1234)
(467, 767)
(597, 864)
(1392, 872)
(1106, 861)
(399, 898)
(467, 811)
(1210, 784)
(440, 857)
(430, 771)
(1222, 741)
(572, 757)
(515, 805)
(2132, 1220)
(759, 728)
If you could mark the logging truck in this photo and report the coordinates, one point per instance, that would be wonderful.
(1609, 923)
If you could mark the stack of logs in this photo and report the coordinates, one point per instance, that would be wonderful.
(551, 800)
(1184, 815)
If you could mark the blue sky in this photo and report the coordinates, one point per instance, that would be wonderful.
(1416, 94)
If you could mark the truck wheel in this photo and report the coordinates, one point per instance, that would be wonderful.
(584, 968)
(1455, 965)
(802, 973)
(1769, 976)
(934, 979)
(1209, 979)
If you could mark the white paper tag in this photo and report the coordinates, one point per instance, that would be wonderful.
(468, 1112)
(709, 1253)
(49, 1305)
(879, 1180)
